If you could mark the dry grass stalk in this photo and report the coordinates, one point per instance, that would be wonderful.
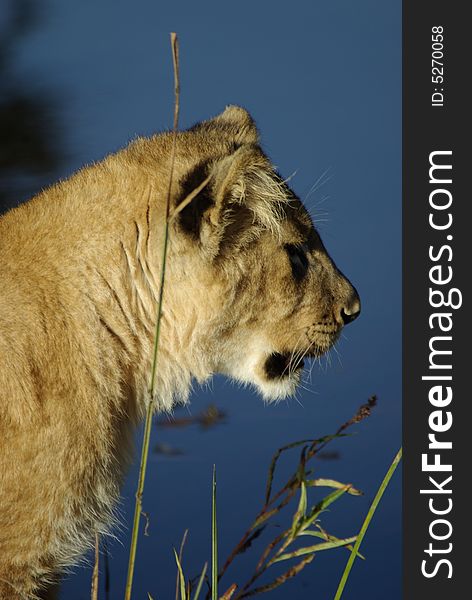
(94, 593)
(150, 407)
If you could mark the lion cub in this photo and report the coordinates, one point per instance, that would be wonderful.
(250, 290)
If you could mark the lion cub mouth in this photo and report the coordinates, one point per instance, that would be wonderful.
(278, 366)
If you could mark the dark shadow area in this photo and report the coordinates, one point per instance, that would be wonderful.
(30, 145)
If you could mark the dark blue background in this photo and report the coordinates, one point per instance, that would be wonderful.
(323, 81)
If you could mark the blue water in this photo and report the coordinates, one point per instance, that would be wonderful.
(323, 81)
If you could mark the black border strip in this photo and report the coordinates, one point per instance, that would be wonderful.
(431, 128)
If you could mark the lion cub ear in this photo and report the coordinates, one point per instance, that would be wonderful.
(234, 123)
(221, 201)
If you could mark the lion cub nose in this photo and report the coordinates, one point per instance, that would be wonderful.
(351, 309)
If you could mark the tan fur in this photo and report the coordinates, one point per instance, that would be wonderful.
(80, 266)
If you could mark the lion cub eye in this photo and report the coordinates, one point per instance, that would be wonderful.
(298, 260)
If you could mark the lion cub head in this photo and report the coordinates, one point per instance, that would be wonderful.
(265, 292)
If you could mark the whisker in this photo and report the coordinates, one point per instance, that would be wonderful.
(305, 389)
(338, 355)
(318, 183)
(323, 199)
(328, 359)
(308, 389)
(312, 366)
(287, 179)
(305, 353)
(294, 352)
(298, 400)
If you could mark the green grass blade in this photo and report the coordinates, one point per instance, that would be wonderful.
(366, 523)
(315, 548)
(320, 507)
(214, 541)
(303, 500)
(329, 499)
(299, 516)
(200, 582)
(332, 484)
(326, 537)
(183, 593)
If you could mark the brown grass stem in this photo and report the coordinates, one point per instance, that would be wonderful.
(94, 592)
(287, 491)
(150, 406)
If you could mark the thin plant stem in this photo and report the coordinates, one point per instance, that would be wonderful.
(94, 593)
(214, 542)
(366, 523)
(138, 503)
(150, 406)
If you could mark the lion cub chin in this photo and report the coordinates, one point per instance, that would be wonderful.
(250, 292)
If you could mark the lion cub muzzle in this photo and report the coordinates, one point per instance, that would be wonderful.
(285, 367)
